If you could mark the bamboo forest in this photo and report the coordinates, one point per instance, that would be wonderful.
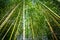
(29, 19)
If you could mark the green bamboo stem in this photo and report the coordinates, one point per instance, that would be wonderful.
(6, 14)
(47, 13)
(14, 26)
(7, 30)
(24, 19)
(55, 21)
(51, 30)
(32, 28)
(3, 30)
(17, 29)
(50, 9)
(4, 22)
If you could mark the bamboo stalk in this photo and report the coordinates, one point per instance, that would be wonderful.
(7, 31)
(6, 14)
(52, 30)
(24, 19)
(49, 9)
(32, 28)
(17, 29)
(4, 22)
(14, 26)
(47, 13)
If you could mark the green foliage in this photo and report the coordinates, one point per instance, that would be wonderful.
(40, 17)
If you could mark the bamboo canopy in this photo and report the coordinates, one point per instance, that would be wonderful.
(29, 20)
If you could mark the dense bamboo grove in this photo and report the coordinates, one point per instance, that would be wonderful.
(29, 20)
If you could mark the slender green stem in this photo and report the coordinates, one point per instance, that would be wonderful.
(4, 22)
(24, 19)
